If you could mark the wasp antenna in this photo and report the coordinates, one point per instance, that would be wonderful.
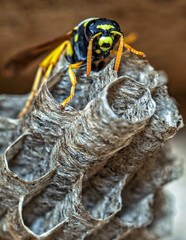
(89, 56)
(120, 50)
(133, 50)
(89, 53)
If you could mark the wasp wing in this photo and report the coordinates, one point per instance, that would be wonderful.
(23, 58)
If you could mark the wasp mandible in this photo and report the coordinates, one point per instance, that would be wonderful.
(92, 40)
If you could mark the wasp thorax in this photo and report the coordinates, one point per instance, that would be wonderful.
(105, 43)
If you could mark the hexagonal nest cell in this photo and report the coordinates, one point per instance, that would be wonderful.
(96, 169)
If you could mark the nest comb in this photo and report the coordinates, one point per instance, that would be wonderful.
(96, 169)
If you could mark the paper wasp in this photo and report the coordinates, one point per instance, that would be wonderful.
(91, 40)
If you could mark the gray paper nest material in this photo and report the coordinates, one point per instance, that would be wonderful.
(96, 169)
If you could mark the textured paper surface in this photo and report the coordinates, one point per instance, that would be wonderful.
(96, 169)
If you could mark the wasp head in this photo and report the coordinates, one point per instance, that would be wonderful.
(103, 32)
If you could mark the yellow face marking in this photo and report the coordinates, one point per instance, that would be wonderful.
(105, 40)
(104, 49)
(105, 26)
(98, 51)
(76, 37)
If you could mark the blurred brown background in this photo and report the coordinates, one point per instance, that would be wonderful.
(161, 27)
(160, 24)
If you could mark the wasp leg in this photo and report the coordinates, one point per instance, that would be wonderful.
(33, 91)
(73, 81)
(51, 61)
(47, 64)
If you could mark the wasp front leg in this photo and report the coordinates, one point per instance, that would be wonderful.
(45, 66)
(73, 81)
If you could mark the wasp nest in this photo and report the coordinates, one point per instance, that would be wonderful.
(96, 169)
